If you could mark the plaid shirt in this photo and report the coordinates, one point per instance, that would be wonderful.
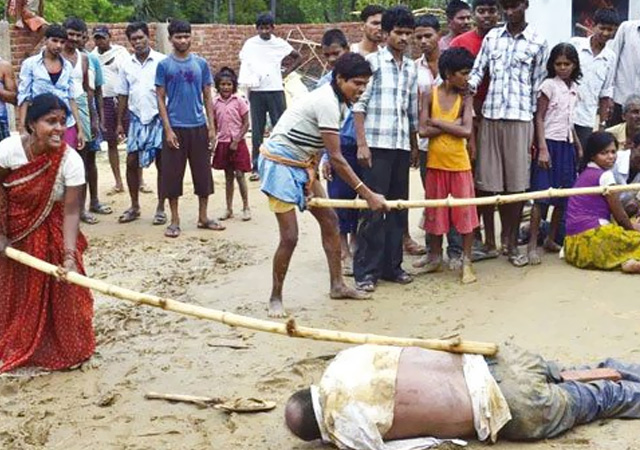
(516, 66)
(390, 102)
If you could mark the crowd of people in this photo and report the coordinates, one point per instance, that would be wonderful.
(486, 109)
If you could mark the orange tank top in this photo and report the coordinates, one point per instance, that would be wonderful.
(447, 152)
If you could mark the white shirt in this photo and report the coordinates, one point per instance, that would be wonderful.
(356, 411)
(626, 46)
(138, 81)
(426, 81)
(13, 156)
(78, 76)
(596, 83)
(111, 61)
(261, 63)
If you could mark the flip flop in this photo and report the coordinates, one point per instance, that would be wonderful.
(211, 225)
(414, 249)
(146, 189)
(89, 219)
(160, 218)
(100, 208)
(518, 260)
(129, 215)
(246, 215)
(254, 177)
(246, 405)
(114, 191)
(172, 231)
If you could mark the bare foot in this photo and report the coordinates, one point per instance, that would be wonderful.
(468, 274)
(276, 309)
(344, 292)
(551, 247)
(534, 257)
(631, 266)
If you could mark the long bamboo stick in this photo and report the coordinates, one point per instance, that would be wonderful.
(290, 328)
(452, 202)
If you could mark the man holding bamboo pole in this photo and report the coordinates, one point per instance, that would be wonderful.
(388, 398)
(287, 165)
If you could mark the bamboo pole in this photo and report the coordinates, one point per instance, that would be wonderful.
(451, 202)
(455, 345)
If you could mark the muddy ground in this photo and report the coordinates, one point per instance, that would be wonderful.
(561, 312)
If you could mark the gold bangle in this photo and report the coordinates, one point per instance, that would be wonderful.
(358, 186)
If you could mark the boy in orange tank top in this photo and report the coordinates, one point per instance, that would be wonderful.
(447, 122)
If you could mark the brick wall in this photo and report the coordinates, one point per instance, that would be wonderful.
(219, 44)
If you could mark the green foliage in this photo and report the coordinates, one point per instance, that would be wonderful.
(88, 10)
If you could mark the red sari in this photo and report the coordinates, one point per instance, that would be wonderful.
(43, 322)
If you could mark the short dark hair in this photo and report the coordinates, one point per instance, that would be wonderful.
(397, 17)
(76, 24)
(265, 19)
(454, 7)
(226, 72)
(179, 26)
(607, 16)
(306, 425)
(55, 31)
(40, 106)
(371, 10)
(136, 26)
(334, 36)
(476, 3)
(351, 65)
(597, 142)
(428, 21)
(453, 60)
(569, 51)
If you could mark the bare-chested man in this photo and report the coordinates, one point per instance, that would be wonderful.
(8, 95)
(370, 395)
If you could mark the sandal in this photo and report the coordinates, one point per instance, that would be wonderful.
(100, 208)
(518, 259)
(144, 189)
(160, 218)
(172, 231)
(114, 191)
(211, 225)
(482, 254)
(129, 215)
(254, 177)
(227, 215)
(89, 219)
(400, 278)
(246, 215)
(366, 285)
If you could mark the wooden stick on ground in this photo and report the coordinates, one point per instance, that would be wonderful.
(202, 402)
(451, 202)
(287, 329)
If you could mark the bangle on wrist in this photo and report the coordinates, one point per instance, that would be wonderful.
(358, 186)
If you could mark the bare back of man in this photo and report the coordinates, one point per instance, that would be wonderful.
(431, 398)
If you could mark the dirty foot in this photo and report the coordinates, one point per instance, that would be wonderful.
(345, 292)
(468, 274)
(534, 257)
(551, 246)
(276, 309)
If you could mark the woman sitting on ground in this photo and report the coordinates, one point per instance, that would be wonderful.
(593, 241)
(43, 322)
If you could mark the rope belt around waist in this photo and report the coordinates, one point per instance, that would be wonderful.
(310, 165)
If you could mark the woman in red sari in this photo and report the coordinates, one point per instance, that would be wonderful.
(43, 322)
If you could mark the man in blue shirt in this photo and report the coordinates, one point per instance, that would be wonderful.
(183, 83)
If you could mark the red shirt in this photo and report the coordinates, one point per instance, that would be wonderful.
(472, 41)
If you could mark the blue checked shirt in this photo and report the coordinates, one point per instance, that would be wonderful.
(390, 102)
(35, 80)
(516, 66)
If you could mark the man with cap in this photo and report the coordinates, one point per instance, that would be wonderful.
(111, 57)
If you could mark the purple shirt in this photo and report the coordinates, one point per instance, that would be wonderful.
(586, 212)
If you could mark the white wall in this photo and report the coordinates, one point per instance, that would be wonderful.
(553, 18)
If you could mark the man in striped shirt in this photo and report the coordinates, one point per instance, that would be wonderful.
(386, 121)
(514, 56)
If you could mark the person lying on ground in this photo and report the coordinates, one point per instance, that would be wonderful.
(391, 398)
(593, 240)
(287, 164)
